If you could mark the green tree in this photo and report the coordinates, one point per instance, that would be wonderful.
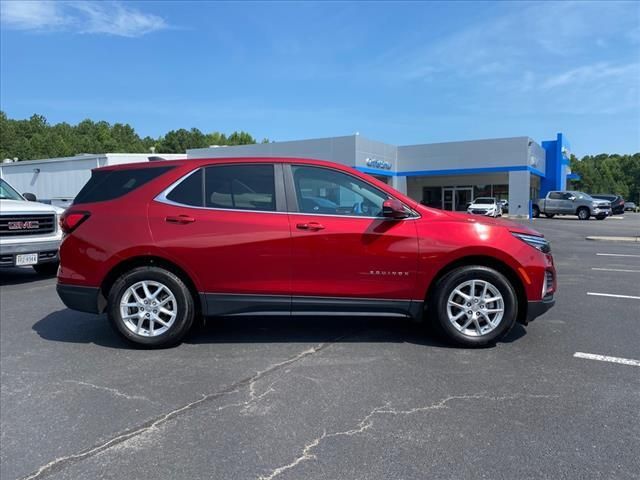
(608, 173)
(35, 138)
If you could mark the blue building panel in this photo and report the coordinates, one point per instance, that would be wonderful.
(557, 156)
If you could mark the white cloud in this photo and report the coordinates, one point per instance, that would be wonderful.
(111, 18)
(589, 73)
(34, 15)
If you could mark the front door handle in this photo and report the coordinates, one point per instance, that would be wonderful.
(180, 219)
(310, 226)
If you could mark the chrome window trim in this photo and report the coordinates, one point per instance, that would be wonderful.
(162, 198)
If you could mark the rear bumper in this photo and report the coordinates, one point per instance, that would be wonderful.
(83, 299)
(537, 308)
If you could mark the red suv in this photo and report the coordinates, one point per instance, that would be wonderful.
(156, 245)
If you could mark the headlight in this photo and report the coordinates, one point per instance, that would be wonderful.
(536, 242)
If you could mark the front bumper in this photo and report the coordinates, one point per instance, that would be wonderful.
(83, 299)
(537, 308)
(598, 211)
(486, 213)
(47, 251)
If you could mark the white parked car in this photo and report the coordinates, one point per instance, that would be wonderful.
(29, 231)
(488, 206)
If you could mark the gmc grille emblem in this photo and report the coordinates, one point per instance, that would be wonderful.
(28, 225)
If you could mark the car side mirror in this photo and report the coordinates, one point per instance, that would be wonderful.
(572, 198)
(29, 196)
(393, 208)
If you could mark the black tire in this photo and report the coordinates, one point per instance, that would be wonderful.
(549, 215)
(601, 217)
(184, 305)
(536, 211)
(446, 285)
(49, 268)
(583, 213)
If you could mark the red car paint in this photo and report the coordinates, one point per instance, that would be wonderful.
(289, 253)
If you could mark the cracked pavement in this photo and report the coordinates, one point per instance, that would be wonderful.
(325, 398)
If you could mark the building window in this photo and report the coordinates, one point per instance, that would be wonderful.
(432, 197)
(501, 192)
(534, 189)
(482, 191)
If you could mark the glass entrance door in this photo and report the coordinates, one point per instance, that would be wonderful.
(447, 198)
(456, 198)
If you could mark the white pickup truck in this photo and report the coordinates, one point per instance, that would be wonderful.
(29, 231)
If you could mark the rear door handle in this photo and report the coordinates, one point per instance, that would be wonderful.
(179, 219)
(310, 226)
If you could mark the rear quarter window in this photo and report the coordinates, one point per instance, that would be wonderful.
(111, 184)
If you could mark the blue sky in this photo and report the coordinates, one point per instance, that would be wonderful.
(401, 73)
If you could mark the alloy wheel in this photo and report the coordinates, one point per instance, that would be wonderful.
(148, 308)
(475, 307)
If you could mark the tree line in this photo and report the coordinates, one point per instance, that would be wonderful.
(35, 138)
(608, 173)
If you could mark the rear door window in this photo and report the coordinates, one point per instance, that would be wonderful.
(111, 184)
(241, 187)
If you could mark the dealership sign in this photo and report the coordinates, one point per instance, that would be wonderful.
(375, 163)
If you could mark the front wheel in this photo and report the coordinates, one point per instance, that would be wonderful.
(583, 213)
(474, 306)
(151, 307)
(601, 217)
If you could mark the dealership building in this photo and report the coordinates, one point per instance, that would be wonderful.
(442, 175)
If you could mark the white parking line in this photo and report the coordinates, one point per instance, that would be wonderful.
(612, 295)
(604, 358)
(615, 270)
(617, 255)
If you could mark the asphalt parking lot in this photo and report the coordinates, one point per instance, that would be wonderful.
(333, 398)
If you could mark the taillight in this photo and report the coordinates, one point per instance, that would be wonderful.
(69, 221)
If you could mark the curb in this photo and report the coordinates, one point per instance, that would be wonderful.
(614, 239)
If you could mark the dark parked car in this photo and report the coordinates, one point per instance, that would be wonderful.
(617, 202)
(630, 207)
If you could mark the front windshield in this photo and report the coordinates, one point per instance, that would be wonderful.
(484, 201)
(7, 192)
(582, 196)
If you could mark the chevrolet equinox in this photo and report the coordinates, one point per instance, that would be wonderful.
(156, 245)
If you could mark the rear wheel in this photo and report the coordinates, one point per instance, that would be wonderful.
(151, 307)
(583, 213)
(549, 215)
(50, 268)
(474, 306)
(601, 217)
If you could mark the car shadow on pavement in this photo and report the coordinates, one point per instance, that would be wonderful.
(75, 327)
(19, 276)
